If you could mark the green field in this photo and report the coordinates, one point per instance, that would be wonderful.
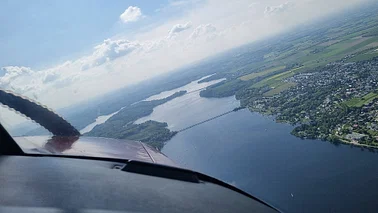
(358, 42)
(268, 65)
(365, 55)
(359, 102)
(275, 80)
(307, 55)
(260, 74)
(279, 89)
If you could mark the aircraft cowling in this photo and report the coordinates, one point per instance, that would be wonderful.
(92, 147)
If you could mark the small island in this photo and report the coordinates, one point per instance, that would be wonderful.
(121, 125)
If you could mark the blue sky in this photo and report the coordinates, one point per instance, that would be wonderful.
(40, 33)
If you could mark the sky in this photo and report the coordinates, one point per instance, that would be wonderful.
(77, 50)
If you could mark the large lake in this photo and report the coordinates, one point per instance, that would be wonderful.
(260, 156)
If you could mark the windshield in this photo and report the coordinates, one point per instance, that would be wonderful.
(278, 98)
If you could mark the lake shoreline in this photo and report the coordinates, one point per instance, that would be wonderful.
(339, 139)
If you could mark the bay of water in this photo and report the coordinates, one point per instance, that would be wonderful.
(99, 120)
(192, 86)
(261, 157)
(191, 108)
(192, 89)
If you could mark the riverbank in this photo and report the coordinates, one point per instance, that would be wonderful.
(332, 138)
(260, 156)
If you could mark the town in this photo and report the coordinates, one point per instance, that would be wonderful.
(337, 102)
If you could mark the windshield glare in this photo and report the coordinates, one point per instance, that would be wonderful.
(278, 98)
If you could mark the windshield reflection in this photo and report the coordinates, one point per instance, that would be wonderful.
(58, 144)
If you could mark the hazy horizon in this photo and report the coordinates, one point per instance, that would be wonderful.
(84, 55)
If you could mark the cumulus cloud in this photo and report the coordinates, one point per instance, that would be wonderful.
(131, 14)
(273, 10)
(208, 29)
(12, 73)
(226, 24)
(66, 82)
(39, 83)
(18, 79)
(53, 74)
(108, 51)
(179, 28)
(50, 77)
(154, 45)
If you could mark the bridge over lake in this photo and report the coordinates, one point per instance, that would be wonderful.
(210, 119)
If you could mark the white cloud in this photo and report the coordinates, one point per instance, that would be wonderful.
(50, 77)
(131, 14)
(53, 74)
(12, 72)
(202, 30)
(108, 51)
(122, 60)
(273, 10)
(19, 79)
(66, 82)
(179, 28)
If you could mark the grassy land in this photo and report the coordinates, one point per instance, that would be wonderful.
(359, 102)
(349, 41)
(363, 57)
(260, 74)
(362, 46)
(372, 32)
(333, 52)
(310, 56)
(279, 89)
(273, 80)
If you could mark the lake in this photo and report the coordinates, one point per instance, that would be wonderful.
(256, 154)
(99, 120)
(190, 108)
(193, 90)
(260, 156)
